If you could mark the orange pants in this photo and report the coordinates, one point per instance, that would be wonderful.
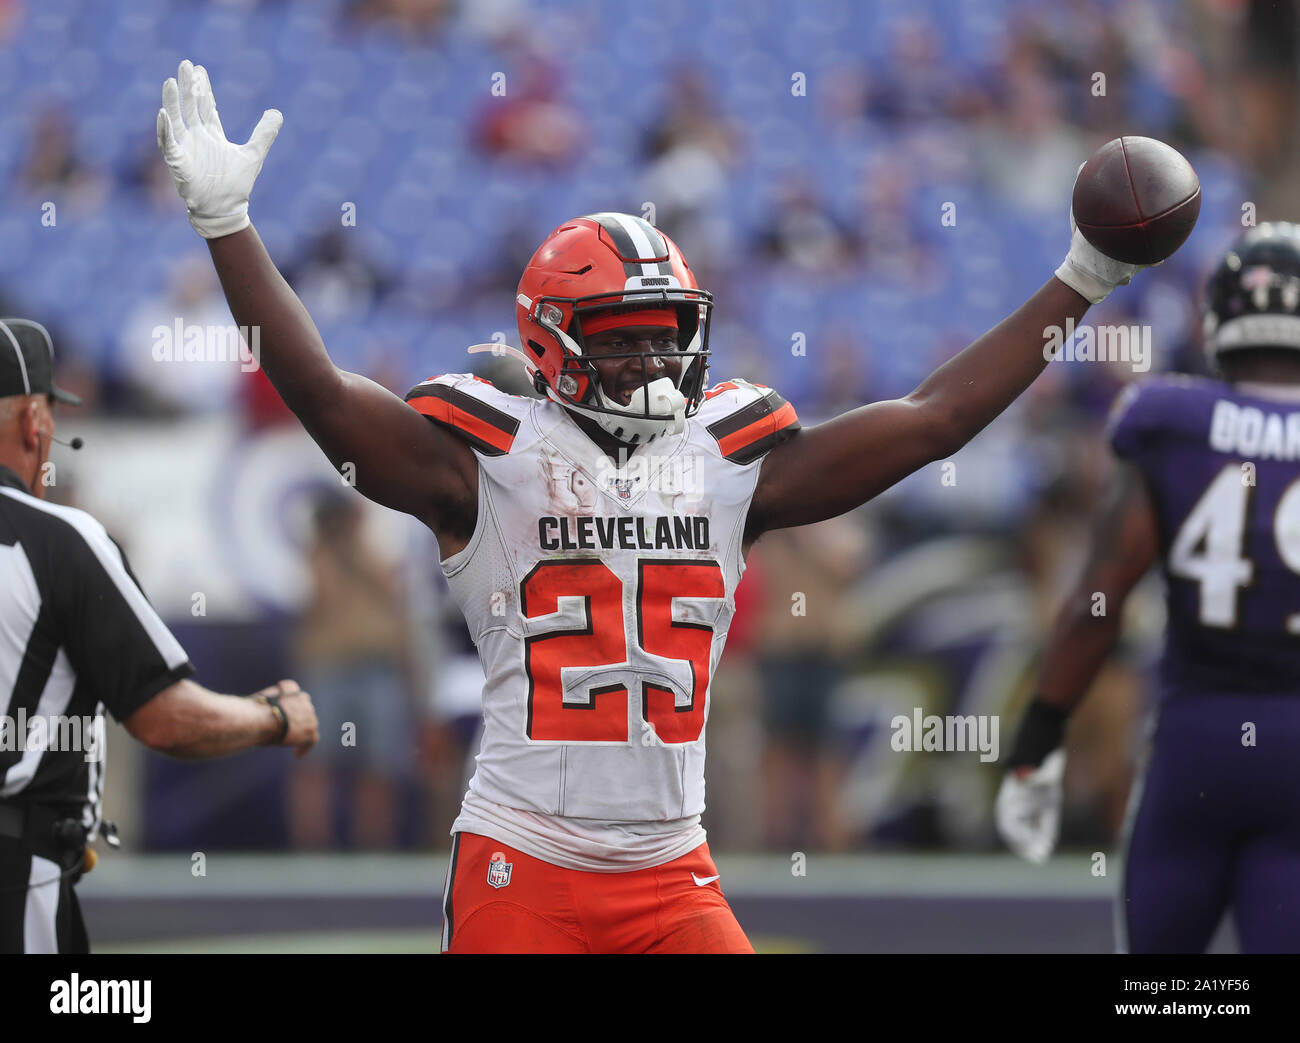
(499, 899)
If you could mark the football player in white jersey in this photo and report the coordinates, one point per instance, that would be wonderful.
(593, 538)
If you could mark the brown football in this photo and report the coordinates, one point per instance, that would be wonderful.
(1137, 200)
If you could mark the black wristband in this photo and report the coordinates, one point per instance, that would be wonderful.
(273, 701)
(1041, 731)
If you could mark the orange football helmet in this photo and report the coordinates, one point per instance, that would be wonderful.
(613, 264)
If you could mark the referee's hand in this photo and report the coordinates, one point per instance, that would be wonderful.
(304, 730)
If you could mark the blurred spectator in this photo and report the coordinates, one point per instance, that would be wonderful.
(176, 354)
(736, 811)
(689, 150)
(422, 20)
(803, 232)
(53, 166)
(448, 682)
(530, 123)
(843, 378)
(10, 18)
(1071, 46)
(690, 120)
(451, 729)
(1262, 88)
(147, 175)
(335, 279)
(1028, 152)
(350, 647)
(915, 83)
(806, 573)
(495, 284)
(886, 231)
(261, 403)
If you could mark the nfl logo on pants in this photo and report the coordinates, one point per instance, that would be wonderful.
(499, 870)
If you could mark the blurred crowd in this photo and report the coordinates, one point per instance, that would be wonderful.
(864, 187)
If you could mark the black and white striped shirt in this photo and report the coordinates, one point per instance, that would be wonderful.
(77, 636)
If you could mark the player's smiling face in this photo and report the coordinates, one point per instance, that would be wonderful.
(655, 347)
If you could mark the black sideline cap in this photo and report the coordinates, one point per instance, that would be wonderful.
(27, 361)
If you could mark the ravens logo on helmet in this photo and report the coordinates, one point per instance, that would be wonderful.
(1253, 297)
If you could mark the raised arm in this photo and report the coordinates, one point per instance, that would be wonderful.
(826, 470)
(401, 460)
(829, 469)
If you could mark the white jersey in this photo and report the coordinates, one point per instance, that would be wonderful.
(599, 598)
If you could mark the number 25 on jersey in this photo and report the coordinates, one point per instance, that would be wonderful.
(600, 639)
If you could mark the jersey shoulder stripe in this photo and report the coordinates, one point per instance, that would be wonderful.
(460, 401)
(747, 420)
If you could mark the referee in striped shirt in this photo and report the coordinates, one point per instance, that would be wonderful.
(78, 636)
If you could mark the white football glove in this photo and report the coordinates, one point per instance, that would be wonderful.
(212, 175)
(1028, 809)
(1087, 270)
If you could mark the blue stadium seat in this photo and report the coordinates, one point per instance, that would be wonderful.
(378, 120)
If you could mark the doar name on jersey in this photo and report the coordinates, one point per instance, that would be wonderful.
(1248, 431)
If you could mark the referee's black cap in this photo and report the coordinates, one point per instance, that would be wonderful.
(27, 361)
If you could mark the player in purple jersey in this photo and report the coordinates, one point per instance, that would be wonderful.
(1208, 484)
